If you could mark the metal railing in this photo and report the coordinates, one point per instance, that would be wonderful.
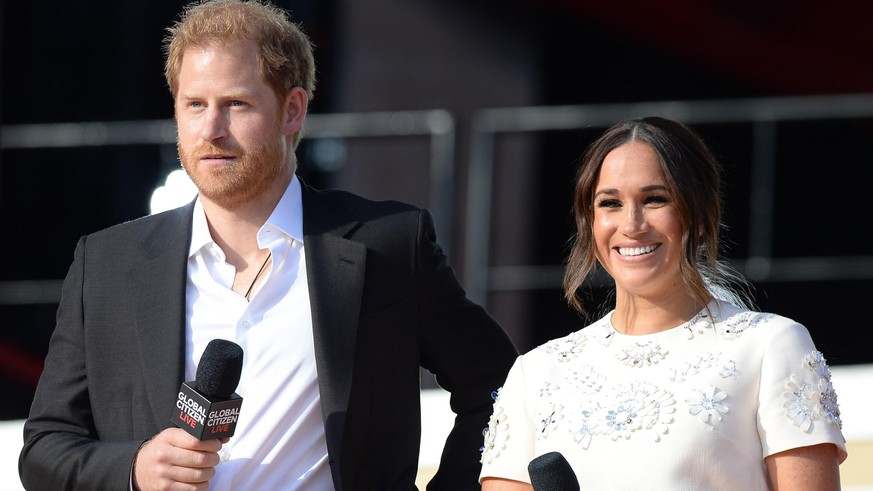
(763, 114)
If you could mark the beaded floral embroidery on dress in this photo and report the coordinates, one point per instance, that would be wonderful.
(639, 354)
(627, 409)
(585, 379)
(637, 406)
(693, 367)
(496, 433)
(565, 348)
(548, 418)
(706, 403)
(729, 370)
(812, 397)
(697, 324)
(733, 327)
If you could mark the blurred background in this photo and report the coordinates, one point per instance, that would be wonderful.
(478, 110)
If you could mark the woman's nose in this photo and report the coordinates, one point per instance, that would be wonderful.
(634, 221)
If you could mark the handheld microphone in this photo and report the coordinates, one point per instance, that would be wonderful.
(551, 472)
(208, 407)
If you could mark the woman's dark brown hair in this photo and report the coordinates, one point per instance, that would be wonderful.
(691, 173)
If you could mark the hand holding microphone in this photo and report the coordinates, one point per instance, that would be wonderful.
(551, 472)
(205, 413)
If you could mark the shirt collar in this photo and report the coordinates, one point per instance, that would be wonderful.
(286, 219)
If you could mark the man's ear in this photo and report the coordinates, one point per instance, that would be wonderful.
(294, 111)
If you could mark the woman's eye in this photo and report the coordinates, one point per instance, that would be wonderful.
(657, 200)
(609, 203)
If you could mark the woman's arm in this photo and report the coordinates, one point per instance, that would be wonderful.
(812, 468)
(499, 484)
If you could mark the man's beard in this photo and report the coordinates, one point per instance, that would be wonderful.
(229, 186)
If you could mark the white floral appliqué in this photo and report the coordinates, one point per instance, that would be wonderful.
(694, 366)
(811, 396)
(584, 379)
(729, 370)
(697, 324)
(734, 327)
(642, 354)
(548, 418)
(497, 432)
(602, 330)
(579, 429)
(707, 404)
(566, 348)
(634, 407)
(548, 389)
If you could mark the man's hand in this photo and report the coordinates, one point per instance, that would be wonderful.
(175, 460)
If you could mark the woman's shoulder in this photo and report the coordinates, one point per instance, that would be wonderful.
(734, 322)
(569, 346)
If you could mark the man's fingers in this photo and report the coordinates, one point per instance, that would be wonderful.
(173, 459)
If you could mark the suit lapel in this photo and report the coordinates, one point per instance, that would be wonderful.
(159, 279)
(335, 269)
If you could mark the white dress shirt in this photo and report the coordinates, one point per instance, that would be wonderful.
(279, 442)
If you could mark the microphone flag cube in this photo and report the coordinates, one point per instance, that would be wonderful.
(205, 418)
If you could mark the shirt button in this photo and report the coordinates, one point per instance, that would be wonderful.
(245, 324)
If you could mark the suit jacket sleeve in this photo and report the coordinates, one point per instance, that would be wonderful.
(470, 355)
(62, 450)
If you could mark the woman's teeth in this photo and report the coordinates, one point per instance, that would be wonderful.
(636, 251)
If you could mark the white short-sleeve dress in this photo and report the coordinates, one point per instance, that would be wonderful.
(696, 407)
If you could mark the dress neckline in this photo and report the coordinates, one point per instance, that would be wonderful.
(701, 315)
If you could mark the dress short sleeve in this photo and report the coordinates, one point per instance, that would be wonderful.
(798, 404)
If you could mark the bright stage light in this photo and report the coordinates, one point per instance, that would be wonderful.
(177, 190)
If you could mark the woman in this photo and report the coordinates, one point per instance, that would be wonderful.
(680, 386)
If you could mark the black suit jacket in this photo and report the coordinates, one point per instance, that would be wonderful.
(384, 302)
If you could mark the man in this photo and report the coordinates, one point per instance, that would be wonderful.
(336, 300)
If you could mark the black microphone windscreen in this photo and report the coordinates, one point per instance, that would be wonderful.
(219, 369)
(551, 472)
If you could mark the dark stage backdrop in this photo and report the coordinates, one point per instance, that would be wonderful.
(102, 61)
